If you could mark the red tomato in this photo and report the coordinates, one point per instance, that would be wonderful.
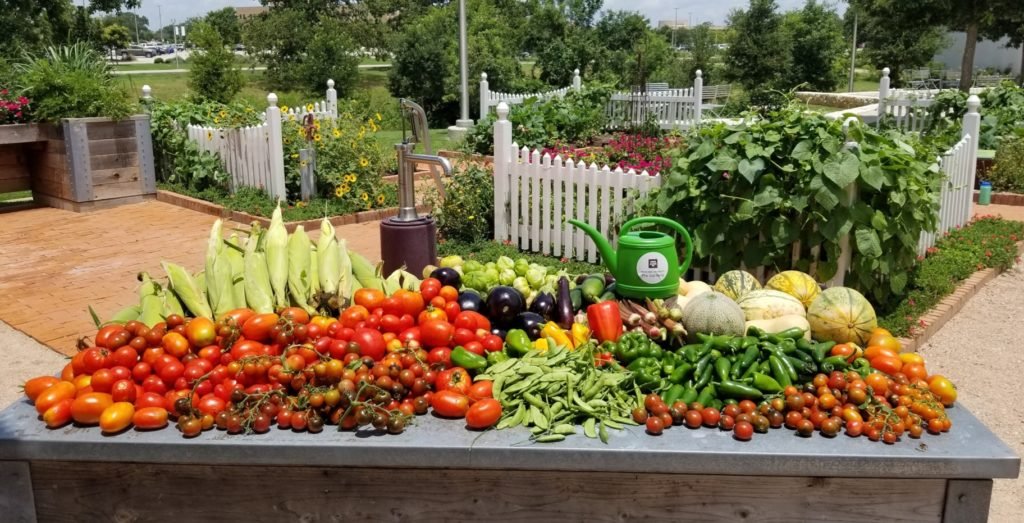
(149, 399)
(391, 323)
(150, 418)
(153, 383)
(54, 394)
(493, 343)
(440, 356)
(171, 372)
(87, 408)
(369, 298)
(370, 342)
(112, 336)
(257, 328)
(93, 359)
(472, 320)
(295, 315)
(125, 357)
(211, 404)
(411, 302)
(463, 336)
(59, 414)
(887, 363)
(436, 333)
(67, 373)
(102, 380)
(456, 379)
(237, 317)
(452, 310)
(484, 414)
(450, 404)
(481, 390)
(432, 313)
(35, 386)
(429, 288)
(201, 332)
(117, 417)
(475, 347)
(123, 390)
(410, 334)
(351, 316)
(243, 348)
(175, 344)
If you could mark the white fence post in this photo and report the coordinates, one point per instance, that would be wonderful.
(698, 97)
(332, 99)
(276, 145)
(147, 93)
(577, 82)
(883, 93)
(502, 157)
(971, 127)
(485, 94)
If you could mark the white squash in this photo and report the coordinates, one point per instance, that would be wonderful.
(777, 325)
(692, 288)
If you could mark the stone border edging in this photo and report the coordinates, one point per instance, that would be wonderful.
(213, 209)
(1003, 198)
(949, 306)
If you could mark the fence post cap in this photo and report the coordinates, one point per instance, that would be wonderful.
(502, 111)
(973, 103)
(885, 71)
(483, 76)
(330, 84)
(146, 91)
(576, 72)
(272, 99)
(699, 73)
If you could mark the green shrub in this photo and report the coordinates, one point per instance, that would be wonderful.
(1008, 172)
(70, 82)
(1002, 112)
(213, 75)
(158, 60)
(466, 213)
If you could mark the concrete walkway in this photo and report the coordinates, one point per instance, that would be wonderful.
(55, 263)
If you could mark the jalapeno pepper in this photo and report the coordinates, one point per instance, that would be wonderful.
(468, 360)
(705, 377)
(720, 342)
(778, 371)
(692, 352)
(788, 367)
(788, 345)
(791, 333)
(736, 390)
(834, 363)
(745, 361)
(766, 383)
(518, 342)
(805, 367)
(706, 395)
(717, 404)
(681, 372)
(756, 332)
(689, 395)
(673, 394)
(804, 345)
(820, 351)
(748, 342)
(750, 371)
(863, 367)
(722, 366)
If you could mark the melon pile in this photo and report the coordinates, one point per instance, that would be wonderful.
(788, 299)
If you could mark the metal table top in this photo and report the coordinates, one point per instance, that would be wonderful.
(969, 450)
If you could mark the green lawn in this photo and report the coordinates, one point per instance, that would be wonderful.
(438, 139)
(17, 195)
(169, 64)
(858, 85)
(175, 86)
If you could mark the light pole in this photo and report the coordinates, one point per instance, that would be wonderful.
(675, 27)
(160, 17)
(853, 52)
(458, 131)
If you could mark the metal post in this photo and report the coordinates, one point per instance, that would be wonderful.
(136, 18)
(175, 27)
(675, 27)
(464, 121)
(160, 17)
(853, 52)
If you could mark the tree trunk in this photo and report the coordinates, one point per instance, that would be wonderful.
(1020, 73)
(967, 64)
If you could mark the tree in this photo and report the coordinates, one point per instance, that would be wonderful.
(225, 22)
(628, 50)
(1010, 25)
(818, 49)
(32, 25)
(213, 75)
(897, 35)
(759, 55)
(115, 36)
(130, 21)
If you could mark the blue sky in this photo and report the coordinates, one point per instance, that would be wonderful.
(700, 10)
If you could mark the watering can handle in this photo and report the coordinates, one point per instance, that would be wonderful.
(683, 265)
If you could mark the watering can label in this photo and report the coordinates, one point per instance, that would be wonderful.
(652, 267)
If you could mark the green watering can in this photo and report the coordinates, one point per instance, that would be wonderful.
(647, 264)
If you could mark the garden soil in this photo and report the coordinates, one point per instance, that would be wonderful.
(982, 340)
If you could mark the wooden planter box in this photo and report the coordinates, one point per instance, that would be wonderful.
(15, 147)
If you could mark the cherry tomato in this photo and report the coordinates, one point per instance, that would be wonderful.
(117, 417)
(257, 328)
(94, 359)
(440, 356)
(943, 388)
(54, 394)
(371, 343)
(87, 408)
(450, 404)
(410, 302)
(175, 344)
(125, 356)
(452, 310)
(492, 343)
(112, 337)
(429, 288)
(483, 414)
(123, 391)
(743, 431)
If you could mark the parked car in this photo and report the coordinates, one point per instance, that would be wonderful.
(133, 51)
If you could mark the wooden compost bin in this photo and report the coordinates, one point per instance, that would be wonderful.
(80, 164)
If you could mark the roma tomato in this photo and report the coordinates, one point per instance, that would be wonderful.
(59, 414)
(258, 327)
(483, 414)
(481, 390)
(352, 316)
(244, 348)
(877, 350)
(149, 399)
(295, 315)
(369, 298)
(103, 380)
(87, 408)
(200, 332)
(887, 363)
(150, 418)
(211, 404)
(112, 337)
(452, 310)
(371, 343)
(35, 386)
(54, 394)
(436, 333)
(117, 417)
(450, 404)
(456, 379)
(237, 317)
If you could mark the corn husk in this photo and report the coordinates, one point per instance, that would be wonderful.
(188, 291)
(259, 296)
(126, 314)
(171, 303)
(299, 247)
(345, 276)
(366, 273)
(328, 258)
(151, 304)
(276, 247)
(214, 286)
(314, 271)
(233, 252)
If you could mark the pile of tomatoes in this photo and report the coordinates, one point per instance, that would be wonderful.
(379, 364)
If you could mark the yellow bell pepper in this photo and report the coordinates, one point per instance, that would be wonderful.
(551, 329)
(541, 344)
(580, 334)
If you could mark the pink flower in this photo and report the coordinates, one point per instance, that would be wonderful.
(726, 175)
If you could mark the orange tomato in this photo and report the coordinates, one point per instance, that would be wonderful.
(295, 315)
(411, 302)
(175, 344)
(887, 363)
(149, 418)
(914, 371)
(942, 388)
(54, 394)
(68, 372)
(877, 350)
(351, 316)
(322, 321)
(369, 298)
(59, 414)
(200, 332)
(878, 382)
(877, 333)
(35, 386)
(87, 408)
(890, 343)
(83, 381)
(117, 417)
(449, 293)
(431, 313)
(843, 349)
(911, 357)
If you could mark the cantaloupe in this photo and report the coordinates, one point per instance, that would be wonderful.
(737, 283)
(766, 304)
(796, 284)
(842, 315)
(712, 313)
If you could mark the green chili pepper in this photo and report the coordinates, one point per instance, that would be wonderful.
(689, 395)
(494, 358)
(746, 361)
(764, 367)
(779, 371)
(820, 351)
(717, 342)
(706, 395)
(691, 352)
(681, 372)
(791, 333)
(750, 370)
(734, 344)
(766, 383)
(802, 366)
(863, 367)
(834, 363)
(736, 390)
(722, 367)
(788, 345)
(703, 364)
(716, 404)
(804, 345)
(705, 378)
(755, 331)
(788, 367)
(519, 342)
(468, 360)
(749, 341)
(673, 394)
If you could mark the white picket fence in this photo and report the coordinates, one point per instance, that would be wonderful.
(534, 195)
(672, 109)
(254, 155)
(907, 109)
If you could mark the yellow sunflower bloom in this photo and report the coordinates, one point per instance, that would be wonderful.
(350, 177)
(338, 192)
(363, 162)
(345, 188)
(380, 199)
(223, 114)
(316, 124)
(216, 120)
(337, 133)
(295, 155)
(353, 144)
(284, 108)
(209, 135)
(303, 163)
(316, 137)
(309, 108)
(364, 197)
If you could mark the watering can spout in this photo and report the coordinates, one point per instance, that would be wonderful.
(607, 254)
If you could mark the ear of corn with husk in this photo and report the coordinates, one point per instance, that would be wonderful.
(276, 248)
(233, 252)
(190, 293)
(314, 271)
(299, 248)
(401, 279)
(219, 280)
(258, 293)
(152, 307)
(171, 303)
(368, 275)
(345, 271)
(328, 259)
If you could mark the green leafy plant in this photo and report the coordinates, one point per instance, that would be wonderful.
(258, 203)
(749, 191)
(1008, 172)
(213, 75)
(466, 213)
(1002, 112)
(70, 82)
(986, 242)
(486, 250)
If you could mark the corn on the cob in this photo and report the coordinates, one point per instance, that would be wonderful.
(126, 314)
(345, 276)
(200, 278)
(328, 258)
(151, 304)
(314, 271)
(276, 248)
(187, 290)
(258, 293)
(214, 287)
(366, 273)
(233, 252)
(298, 268)
(171, 303)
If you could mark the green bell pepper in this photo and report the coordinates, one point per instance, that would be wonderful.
(497, 357)
(467, 360)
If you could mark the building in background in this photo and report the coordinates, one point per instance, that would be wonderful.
(988, 55)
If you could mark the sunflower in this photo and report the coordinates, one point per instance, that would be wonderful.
(379, 118)
(364, 197)
(287, 141)
(309, 108)
(316, 124)
(337, 133)
(303, 164)
(338, 191)
(316, 137)
(216, 120)
(295, 155)
(284, 108)
(345, 188)
(380, 199)
(223, 114)
(363, 162)
(209, 135)
(350, 177)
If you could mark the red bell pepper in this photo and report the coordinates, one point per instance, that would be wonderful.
(604, 320)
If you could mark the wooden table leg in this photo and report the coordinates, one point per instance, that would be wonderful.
(17, 504)
(967, 500)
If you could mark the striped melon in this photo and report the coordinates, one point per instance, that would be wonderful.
(796, 284)
(842, 315)
(735, 284)
(766, 304)
(712, 313)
